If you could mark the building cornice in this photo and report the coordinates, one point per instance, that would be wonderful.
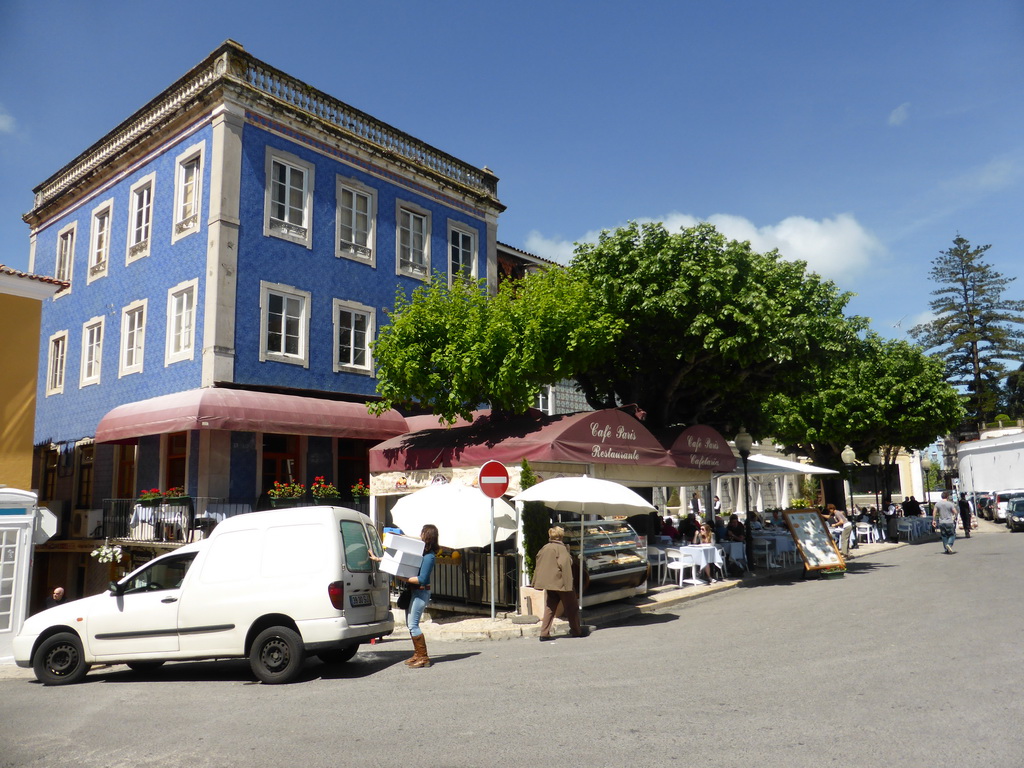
(254, 81)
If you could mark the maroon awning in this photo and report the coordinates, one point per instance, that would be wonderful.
(699, 447)
(245, 411)
(600, 437)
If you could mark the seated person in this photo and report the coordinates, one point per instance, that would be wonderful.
(667, 529)
(778, 521)
(721, 532)
(705, 535)
(735, 530)
(688, 527)
(755, 520)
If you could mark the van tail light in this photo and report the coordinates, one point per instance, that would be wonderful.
(336, 591)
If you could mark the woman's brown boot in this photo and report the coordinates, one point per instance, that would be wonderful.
(420, 659)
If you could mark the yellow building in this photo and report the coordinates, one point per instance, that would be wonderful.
(21, 297)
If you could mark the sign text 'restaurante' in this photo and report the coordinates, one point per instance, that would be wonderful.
(620, 433)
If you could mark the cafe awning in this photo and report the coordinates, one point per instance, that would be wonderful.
(610, 436)
(242, 410)
(760, 464)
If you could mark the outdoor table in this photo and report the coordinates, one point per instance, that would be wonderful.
(704, 554)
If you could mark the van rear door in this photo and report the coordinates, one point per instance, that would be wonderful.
(365, 588)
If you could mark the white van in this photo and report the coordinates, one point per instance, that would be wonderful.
(267, 586)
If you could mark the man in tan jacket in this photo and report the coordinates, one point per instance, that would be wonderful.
(553, 574)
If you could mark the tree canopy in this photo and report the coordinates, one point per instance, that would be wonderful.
(449, 349)
(711, 327)
(975, 330)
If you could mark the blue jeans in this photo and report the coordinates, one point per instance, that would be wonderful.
(420, 598)
(948, 533)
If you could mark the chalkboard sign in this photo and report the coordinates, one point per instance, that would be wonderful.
(814, 542)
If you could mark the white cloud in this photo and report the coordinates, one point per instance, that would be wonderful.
(835, 248)
(995, 175)
(6, 121)
(900, 115)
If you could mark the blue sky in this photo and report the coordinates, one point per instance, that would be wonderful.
(860, 137)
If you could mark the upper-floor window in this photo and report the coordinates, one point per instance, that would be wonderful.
(140, 221)
(65, 252)
(188, 191)
(357, 212)
(55, 363)
(284, 324)
(92, 351)
(413, 241)
(353, 332)
(133, 337)
(181, 321)
(461, 252)
(289, 198)
(99, 241)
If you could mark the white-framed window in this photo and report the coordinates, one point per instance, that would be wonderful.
(289, 198)
(55, 363)
(357, 214)
(140, 218)
(353, 332)
(461, 252)
(65, 265)
(133, 337)
(188, 191)
(284, 324)
(92, 352)
(181, 322)
(413, 240)
(99, 240)
(543, 401)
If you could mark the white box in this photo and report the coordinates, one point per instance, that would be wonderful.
(408, 544)
(404, 564)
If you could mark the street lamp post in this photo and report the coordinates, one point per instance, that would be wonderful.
(874, 459)
(744, 442)
(849, 456)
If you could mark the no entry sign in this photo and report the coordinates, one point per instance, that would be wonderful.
(493, 479)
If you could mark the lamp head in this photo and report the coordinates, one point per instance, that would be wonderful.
(744, 442)
(848, 455)
(874, 458)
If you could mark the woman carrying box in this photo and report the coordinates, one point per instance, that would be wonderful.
(420, 585)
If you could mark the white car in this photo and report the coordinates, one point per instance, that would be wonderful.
(1000, 500)
(267, 586)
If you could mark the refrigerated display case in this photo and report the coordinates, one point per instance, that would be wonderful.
(614, 559)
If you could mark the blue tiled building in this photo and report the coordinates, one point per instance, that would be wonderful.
(241, 231)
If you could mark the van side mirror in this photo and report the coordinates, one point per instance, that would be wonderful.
(115, 588)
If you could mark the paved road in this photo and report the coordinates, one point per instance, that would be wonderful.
(913, 659)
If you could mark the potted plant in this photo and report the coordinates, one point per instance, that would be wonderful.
(151, 498)
(324, 492)
(833, 572)
(176, 494)
(286, 494)
(360, 490)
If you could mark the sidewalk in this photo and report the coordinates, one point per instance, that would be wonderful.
(506, 626)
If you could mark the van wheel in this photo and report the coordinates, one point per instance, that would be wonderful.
(143, 666)
(59, 660)
(338, 655)
(277, 655)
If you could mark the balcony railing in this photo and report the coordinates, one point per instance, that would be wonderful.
(172, 522)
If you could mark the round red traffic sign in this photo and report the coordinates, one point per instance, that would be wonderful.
(493, 479)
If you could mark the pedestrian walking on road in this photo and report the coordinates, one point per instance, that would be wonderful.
(553, 574)
(944, 519)
(965, 516)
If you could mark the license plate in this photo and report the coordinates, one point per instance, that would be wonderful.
(360, 599)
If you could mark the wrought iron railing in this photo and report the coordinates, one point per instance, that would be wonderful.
(469, 580)
(175, 521)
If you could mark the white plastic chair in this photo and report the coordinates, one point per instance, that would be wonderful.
(865, 533)
(763, 551)
(680, 561)
(905, 528)
(659, 564)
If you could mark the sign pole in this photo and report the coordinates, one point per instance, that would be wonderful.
(493, 482)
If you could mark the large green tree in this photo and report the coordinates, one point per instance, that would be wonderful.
(975, 329)
(711, 327)
(449, 349)
(882, 394)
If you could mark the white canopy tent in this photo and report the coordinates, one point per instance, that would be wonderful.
(761, 465)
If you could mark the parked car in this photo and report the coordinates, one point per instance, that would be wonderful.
(982, 505)
(1001, 500)
(267, 586)
(1015, 514)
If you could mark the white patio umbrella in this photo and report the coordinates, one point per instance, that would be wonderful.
(585, 496)
(462, 515)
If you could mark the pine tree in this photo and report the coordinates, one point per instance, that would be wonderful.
(975, 330)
